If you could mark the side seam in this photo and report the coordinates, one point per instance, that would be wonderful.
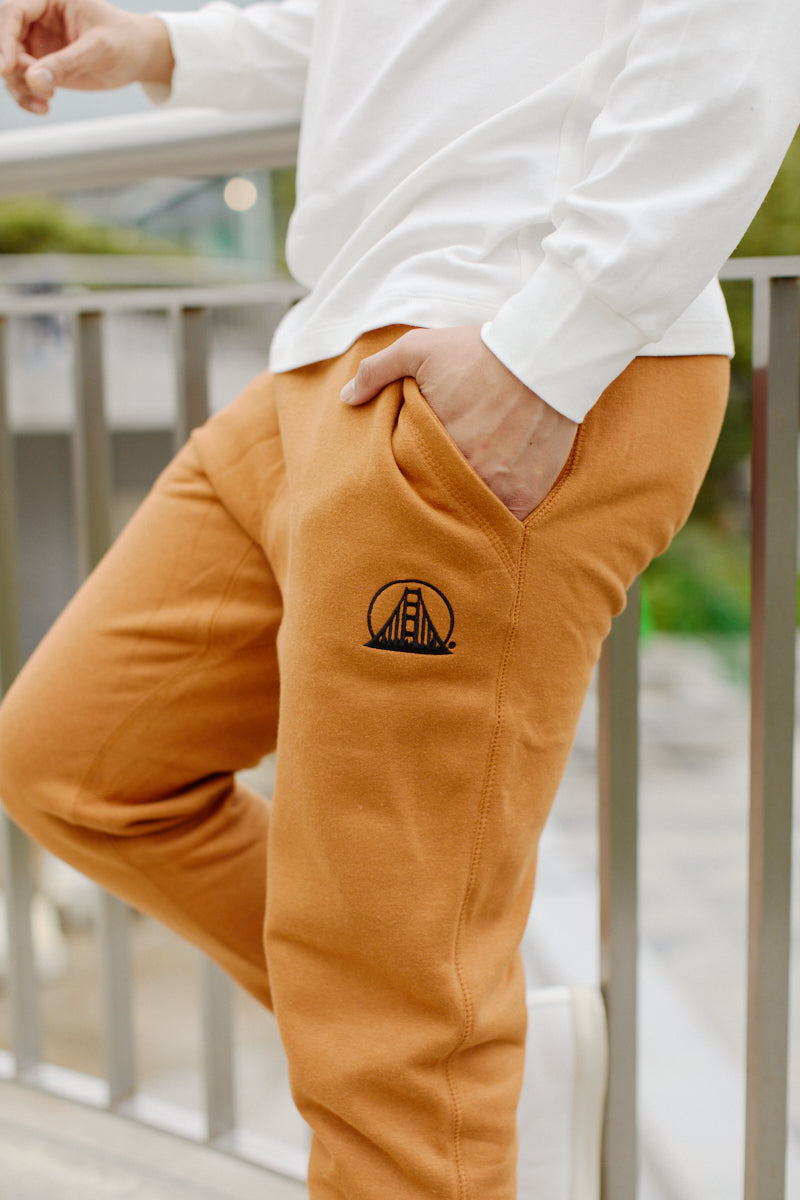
(475, 858)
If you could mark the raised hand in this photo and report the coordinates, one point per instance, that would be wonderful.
(87, 45)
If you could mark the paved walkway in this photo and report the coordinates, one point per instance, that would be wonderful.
(54, 1150)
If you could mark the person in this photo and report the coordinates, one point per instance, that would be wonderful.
(396, 555)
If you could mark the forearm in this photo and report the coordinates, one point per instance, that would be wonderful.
(694, 120)
(158, 60)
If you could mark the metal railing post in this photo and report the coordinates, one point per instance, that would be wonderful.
(115, 969)
(216, 994)
(776, 395)
(190, 339)
(10, 639)
(22, 986)
(618, 781)
(91, 450)
(190, 328)
(92, 464)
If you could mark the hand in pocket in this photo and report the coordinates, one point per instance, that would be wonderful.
(516, 442)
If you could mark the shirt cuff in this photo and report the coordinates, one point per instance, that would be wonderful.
(196, 39)
(561, 340)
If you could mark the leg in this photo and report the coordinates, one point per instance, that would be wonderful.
(435, 654)
(119, 740)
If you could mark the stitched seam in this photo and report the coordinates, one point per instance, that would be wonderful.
(561, 482)
(466, 503)
(475, 857)
(183, 669)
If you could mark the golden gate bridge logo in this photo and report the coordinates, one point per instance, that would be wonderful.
(410, 617)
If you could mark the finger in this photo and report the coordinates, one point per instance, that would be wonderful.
(10, 37)
(33, 104)
(17, 89)
(40, 80)
(15, 20)
(25, 100)
(401, 359)
(8, 56)
(62, 67)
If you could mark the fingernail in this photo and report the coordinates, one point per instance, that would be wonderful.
(40, 79)
(348, 392)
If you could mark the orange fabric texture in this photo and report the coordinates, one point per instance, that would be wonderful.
(337, 582)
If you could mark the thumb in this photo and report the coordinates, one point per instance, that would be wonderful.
(59, 69)
(403, 358)
(40, 79)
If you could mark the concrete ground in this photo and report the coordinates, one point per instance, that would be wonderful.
(51, 1149)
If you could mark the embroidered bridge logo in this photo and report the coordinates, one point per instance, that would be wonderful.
(410, 617)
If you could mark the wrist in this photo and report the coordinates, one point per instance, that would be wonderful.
(158, 61)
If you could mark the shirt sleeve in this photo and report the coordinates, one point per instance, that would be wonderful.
(697, 107)
(253, 58)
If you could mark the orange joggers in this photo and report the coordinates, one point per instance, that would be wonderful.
(338, 582)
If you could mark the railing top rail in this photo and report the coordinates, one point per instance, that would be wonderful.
(62, 269)
(773, 266)
(276, 291)
(115, 151)
(140, 299)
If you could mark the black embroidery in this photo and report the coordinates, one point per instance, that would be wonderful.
(410, 628)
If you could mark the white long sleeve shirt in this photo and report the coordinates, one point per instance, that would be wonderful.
(568, 174)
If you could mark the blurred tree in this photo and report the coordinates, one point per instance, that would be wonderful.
(40, 225)
(283, 195)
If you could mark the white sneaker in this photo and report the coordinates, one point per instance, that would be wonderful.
(563, 1095)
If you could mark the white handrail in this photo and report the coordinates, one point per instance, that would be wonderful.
(114, 151)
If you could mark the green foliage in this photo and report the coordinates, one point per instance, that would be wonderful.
(774, 230)
(701, 583)
(283, 197)
(40, 225)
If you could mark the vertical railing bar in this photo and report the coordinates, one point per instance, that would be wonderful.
(191, 343)
(760, 327)
(92, 473)
(22, 983)
(216, 993)
(23, 988)
(10, 638)
(91, 449)
(618, 779)
(190, 333)
(114, 920)
(776, 395)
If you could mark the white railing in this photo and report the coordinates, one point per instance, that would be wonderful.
(114, 151)
(119, 150)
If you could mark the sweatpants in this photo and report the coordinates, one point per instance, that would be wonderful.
(339, 584)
